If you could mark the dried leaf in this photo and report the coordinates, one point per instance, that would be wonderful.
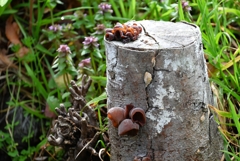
(211, 70)
(12, 31)
(5, 62)
(48, 113)
(22, 51)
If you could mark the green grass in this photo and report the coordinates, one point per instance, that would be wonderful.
(34, 83)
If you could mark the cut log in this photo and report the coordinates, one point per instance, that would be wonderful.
(164, 73)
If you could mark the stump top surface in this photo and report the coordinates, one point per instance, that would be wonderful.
(162, 35)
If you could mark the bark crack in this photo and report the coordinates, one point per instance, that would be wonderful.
(147, 99)
(152, 150)
(153, 75)
(161, 69)
(147, 34)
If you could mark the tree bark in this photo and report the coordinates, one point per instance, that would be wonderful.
(179, 126)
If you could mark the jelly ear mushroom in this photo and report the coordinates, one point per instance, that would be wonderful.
(146, 159)
(138, 158)
(109, 36)
(128, 108)
(127, 127)
(116, 115)
(138, 116)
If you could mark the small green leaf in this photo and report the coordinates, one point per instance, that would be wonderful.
(99, 79)
(66, 94)
(85, 51)
(29, 57)
(98, 17)
(3, 137)
(16, 48)
(61, 66)
(53, 102)
(9, 11)
(13, 153)
(67, 104)
(51, 4)
(103, 96)
(97, 53)
(43, 50)
(28, 41)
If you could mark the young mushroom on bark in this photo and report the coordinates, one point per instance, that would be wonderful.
(116, 115)
(140, 158)
(138, 116)
(127, 110)
(127, 120)
(127, 127)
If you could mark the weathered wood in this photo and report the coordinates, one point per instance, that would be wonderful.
(178, 125)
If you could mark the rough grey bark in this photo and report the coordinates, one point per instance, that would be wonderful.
(178, 123)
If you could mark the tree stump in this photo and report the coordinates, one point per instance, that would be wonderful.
(175, 95)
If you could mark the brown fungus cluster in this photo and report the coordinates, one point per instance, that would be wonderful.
(127, 120)
(123, 32)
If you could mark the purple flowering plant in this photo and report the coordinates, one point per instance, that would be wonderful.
(105, 11)
(90, 41)
(185, 6)
(182, 10)
(53, 32)
(104, 8)
(63, 63)
(90, 45)
(99, 29)
(64, 49)
(55, 27)
(84, 67)
(84, 63)
(68, 39)
(58, 34)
